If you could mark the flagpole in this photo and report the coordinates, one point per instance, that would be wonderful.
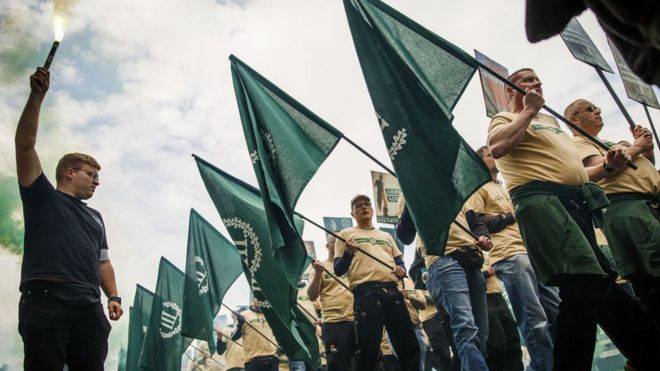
(561, 118)
(655, 133)
(309, 314)
(461, 226)
(254, 328)
(192, 360)
(343, 240)
(334, 277)
(616, 97)
(210, 357)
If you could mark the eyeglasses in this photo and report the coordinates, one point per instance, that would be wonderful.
(359, 205)
(590, 109)
(91, 174)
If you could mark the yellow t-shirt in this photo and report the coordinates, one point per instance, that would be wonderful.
(336, 301)
(643, 180)
(254, 345)
(430, 310)
(309, 309)
(492, 283)
(234, 357)
(409, 286)
(493, 199)
(600, 237)
(457, 238)
(385, 345)
(363, 268)
(545, 154)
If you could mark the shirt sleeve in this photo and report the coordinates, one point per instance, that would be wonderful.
(502, 118)
(585, 149)
(37, 192)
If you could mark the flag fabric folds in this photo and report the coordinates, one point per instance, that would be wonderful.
(212, 266)
(287, 144)
(415, 78)
(163, 343)
(242, 211)
(137, 325)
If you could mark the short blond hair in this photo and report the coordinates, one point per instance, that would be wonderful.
(72, 160)
(514, 76)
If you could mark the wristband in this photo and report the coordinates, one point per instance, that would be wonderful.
(115, 298)
(607, 168)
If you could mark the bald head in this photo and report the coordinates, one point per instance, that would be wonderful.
(584, 115)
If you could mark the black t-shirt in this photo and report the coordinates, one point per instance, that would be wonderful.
(63, 240)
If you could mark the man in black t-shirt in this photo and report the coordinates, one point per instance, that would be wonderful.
(65, 259)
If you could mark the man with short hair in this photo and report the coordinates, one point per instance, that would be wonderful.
(509, 260)
(65, 260)
(631, 221)
(556, 207)
(337, 331)
(376, 299)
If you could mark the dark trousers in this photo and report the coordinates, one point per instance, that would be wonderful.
(55, 333)
(587, 301)
(647, 289)
(504, 351)
(265, 363)
(440, 336)
(339, 342)
(375, 305)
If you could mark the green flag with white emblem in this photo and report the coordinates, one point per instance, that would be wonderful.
(415, 78)
(137, 325)
(212, 266)
(163, 343)
(287, 144)
(242, 211)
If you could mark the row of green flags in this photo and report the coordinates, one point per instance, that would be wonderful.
(415, 79)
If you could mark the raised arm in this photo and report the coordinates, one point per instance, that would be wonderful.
(506, 138)
(28, 166)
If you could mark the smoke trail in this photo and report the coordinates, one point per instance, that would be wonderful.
(11, 216)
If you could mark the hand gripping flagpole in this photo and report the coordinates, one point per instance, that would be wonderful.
(461, 226)
(333, 276)
(229, 338)
(655, 133)
(211, 358)
(561, 118)
(195, 367)
(254, 328)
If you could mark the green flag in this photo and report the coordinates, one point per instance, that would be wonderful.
(137, 325)
(212, 266)
(415, 79)
(242, 211)
(287, 144)
(163, 343)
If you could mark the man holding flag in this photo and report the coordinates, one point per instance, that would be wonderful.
(377, 301)
(259, 348)
(556, 207)
(631, 222)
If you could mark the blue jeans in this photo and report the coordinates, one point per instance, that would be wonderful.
(297, 366)
(522, 288)
(463, 294)
(422, 346)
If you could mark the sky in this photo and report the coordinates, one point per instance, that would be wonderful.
(141, 85)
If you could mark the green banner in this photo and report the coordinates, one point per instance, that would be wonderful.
(583, 49)
(163, 344)
(415, 78)
(212, 266)
(242, 211)
(137, 325)
(287, 144)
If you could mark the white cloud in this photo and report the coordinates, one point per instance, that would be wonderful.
(172, 96)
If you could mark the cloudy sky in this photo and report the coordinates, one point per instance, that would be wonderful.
(141, 85)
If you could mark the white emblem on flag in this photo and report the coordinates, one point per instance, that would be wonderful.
(397, 144)
(170, 320)
(202, 277)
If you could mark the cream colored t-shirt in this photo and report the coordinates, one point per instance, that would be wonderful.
(363, 268)
(309, 309)
(457, 238)
(493, 282)
(254, 345)
(336, 301)
(430, 310)
(234, 357)
(409, 286)
(385, 345)
(493, 199)
(545, 154)
(643, 180)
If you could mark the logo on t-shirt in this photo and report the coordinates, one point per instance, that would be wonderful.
(545, 127)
